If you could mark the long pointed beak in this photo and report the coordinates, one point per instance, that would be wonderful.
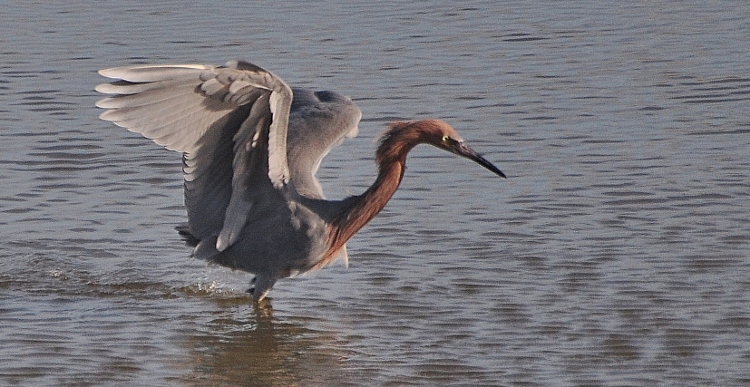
(463, 150)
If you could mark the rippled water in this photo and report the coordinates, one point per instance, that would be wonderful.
(616, 253)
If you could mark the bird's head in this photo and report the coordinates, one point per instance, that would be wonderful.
(402, 136)
(444, 136)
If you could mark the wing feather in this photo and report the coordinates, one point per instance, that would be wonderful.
(318, 122)
(249, 155)
(230, 122)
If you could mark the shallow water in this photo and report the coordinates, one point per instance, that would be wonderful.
(616, 253)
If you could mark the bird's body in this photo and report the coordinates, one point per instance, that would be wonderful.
(251, 147)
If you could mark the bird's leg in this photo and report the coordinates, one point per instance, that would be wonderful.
(260, 285)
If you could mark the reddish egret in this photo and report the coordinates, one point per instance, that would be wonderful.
(249, 157)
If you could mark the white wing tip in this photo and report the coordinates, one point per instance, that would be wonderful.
(125, 72)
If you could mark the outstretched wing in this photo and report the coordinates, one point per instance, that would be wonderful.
(230, 122)
(319, 121)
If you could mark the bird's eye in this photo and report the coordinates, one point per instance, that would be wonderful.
(446, 139)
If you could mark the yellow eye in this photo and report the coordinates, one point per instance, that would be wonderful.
(446, 138)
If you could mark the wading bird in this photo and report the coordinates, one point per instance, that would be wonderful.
(250, 148)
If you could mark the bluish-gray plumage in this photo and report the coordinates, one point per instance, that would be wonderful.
(251, 147)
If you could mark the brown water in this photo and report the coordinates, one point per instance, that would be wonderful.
(616, 253)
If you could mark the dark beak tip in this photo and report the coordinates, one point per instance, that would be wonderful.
(465, 151)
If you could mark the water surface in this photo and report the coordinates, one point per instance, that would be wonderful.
(616, 253)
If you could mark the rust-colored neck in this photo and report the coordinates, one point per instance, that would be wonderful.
(391, 159)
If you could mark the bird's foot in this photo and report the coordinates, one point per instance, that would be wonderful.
(263, 309)
(261, 303)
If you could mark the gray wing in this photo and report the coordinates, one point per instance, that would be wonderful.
(230, 122)
(318, 122)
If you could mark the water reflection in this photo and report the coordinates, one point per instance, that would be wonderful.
(104, 327)
(243, 345)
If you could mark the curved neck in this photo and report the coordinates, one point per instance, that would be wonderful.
(363, 208)
(360, 210)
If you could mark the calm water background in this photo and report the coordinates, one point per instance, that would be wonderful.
(616, 253)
